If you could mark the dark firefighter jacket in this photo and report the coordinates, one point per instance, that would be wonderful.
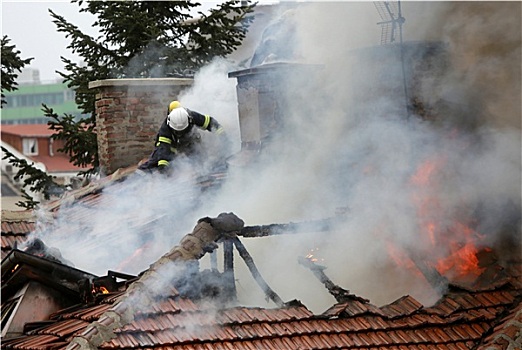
(168, 144)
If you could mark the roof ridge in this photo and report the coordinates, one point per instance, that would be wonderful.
(19, 215)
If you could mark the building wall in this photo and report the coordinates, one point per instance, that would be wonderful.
(129, 113)
(36, 302)
(14, 140)
(24, 105)
(44, 148)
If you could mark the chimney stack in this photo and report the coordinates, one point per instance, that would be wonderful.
(263, 93)
(129, 113)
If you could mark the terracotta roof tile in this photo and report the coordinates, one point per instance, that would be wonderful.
(355, 307)
(228, 346)
(382, 337)
(9, 242)
(459, 320)
(335, 310)
(340, 342)
(403, 306)
(266, 344)
(278, 343)
(28, 130)
(325, 340)
(58, 163)
(38, 342)
(16, 226)
(63, 329)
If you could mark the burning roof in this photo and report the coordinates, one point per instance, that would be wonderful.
(430, 200)
(151, 310)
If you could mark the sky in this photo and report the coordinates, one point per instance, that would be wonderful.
(29, 26)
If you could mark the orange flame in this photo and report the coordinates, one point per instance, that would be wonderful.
(457, 242)
(100, 290)
(462, 259)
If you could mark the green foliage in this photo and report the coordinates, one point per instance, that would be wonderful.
(137, 39)
(11, 63)
(29, 203)
(34, 178)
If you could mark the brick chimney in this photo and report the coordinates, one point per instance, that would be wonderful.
(128, 115)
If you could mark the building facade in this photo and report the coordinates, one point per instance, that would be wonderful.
(24, 105)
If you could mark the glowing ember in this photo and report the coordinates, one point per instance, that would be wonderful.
(312, 255)
(424, 174)
(100, 290)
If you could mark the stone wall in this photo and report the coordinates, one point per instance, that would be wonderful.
(128, 115)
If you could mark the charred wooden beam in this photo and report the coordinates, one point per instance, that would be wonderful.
(323, 225)
(340, 294)
(213, 261)
(255, 273)
(434, 278)
(228, 252)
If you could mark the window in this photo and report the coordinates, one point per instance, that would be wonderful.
(30, 147)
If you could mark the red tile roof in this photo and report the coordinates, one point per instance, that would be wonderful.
(488, 317)
(16, 226)
(58, 163)
(476, 319)
(29, 130)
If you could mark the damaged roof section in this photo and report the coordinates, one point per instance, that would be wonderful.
(461, 320)
(159, 309)
(156, 310)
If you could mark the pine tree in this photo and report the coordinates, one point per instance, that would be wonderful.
(11, 63)
(37, 180)
(138, 39)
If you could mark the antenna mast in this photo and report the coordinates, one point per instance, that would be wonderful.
(392, 19)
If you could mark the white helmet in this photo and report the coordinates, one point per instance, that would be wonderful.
(178, 119)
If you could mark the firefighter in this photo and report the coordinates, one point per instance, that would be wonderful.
(178, 135)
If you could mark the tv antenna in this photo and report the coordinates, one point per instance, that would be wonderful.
(392, 21)
(391, 15)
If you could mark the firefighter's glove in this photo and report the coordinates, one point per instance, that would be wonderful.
(164, 170)
(227, 223)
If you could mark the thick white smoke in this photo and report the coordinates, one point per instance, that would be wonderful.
(358, 154)
(363, 155)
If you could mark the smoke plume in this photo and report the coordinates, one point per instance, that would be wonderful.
(347, 142)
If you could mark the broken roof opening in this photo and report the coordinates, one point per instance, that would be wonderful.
(176, 283)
